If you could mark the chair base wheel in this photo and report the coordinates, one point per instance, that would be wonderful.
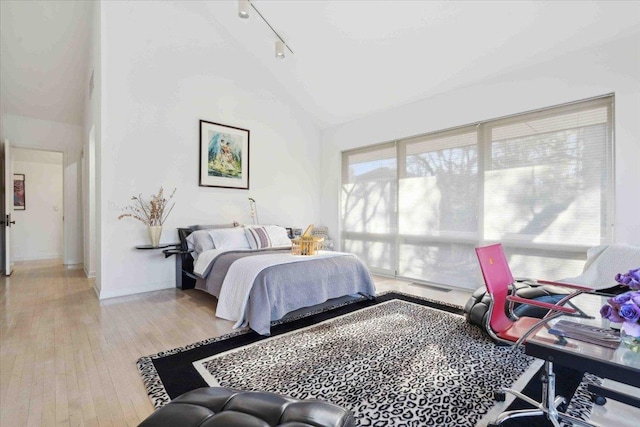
(598, 400)
(499, 396)
(563, 407)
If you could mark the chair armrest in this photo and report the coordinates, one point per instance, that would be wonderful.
(566, 285)
(547, 305)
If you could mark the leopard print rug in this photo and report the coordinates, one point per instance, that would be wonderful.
(396, 363)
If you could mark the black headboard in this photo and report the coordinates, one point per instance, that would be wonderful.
(187, 259)
(183, 233)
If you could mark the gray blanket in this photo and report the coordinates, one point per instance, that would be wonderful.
(281, 289)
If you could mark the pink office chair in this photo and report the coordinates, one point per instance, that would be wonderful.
(513, 330)
(499, 280)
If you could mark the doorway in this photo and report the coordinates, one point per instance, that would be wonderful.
(38, 232)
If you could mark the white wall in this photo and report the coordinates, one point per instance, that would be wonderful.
(27, 132)
(38, 232)
(165, 65)
(611, 68)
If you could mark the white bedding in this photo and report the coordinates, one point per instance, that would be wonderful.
(239, 280)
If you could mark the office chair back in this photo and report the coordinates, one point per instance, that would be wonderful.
(497, 278)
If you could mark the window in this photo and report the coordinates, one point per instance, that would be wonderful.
(369, 196)
(540, 183)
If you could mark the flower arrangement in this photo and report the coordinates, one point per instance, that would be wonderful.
(625, 308)
(150, 212)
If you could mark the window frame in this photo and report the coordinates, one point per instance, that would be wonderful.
(483, 139)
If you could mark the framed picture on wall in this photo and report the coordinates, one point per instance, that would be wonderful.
(19, 200)
(224, 156)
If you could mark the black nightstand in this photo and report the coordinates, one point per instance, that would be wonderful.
(184, 279)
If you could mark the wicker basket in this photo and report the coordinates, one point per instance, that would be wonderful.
(306, 245)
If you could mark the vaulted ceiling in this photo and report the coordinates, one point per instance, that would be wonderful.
(351, 58)
(44, 54)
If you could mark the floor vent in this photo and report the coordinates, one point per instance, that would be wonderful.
(432, 287)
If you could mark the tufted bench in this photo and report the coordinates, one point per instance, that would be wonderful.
(218, 406)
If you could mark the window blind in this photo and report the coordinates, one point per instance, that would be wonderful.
(540, 182)
(368, 204)
(546, 179)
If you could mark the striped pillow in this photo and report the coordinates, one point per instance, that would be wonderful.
(258, 237)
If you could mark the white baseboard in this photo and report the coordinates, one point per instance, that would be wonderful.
(89, 274)
(36, 257)
(106, 293)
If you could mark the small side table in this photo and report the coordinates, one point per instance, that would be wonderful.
(169, 249)
(160, 246)
(184, 280)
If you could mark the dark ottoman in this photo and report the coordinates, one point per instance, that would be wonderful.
(218, 406)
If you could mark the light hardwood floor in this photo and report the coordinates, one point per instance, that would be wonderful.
(68, 359)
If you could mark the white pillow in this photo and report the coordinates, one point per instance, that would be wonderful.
(200, 241)
(267, 236)
(279, 236)
(229, 238)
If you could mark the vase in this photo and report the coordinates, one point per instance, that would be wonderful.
(155, 231)
(630, 336)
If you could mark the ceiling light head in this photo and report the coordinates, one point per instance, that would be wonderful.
(243, 9)
(280, 49)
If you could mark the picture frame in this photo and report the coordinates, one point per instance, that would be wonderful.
(19, 196)
(224, 156)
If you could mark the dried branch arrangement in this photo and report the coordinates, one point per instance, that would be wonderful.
(151, 212)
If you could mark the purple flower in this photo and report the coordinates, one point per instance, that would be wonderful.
(634, 282)
(618, 300)
(630, 312)
(622, 278)
(630, 279)
(609, 313)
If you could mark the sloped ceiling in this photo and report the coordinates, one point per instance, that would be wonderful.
(44, 54)
(351, 58)
(354, 58)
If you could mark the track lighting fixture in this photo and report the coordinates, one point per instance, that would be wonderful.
(279, 49)
(243, 9)
(243, 12)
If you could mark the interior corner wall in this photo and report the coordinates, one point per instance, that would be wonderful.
(156, 86)
(591, 72)
(91, 139)
(38, 231)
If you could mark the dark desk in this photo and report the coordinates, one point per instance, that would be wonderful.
(621, 364)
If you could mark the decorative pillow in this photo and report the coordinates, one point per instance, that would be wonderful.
(200, 241)
(258, 237)
(267, 236)
(229, 238)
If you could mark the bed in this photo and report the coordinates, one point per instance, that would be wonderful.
(256, 279)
